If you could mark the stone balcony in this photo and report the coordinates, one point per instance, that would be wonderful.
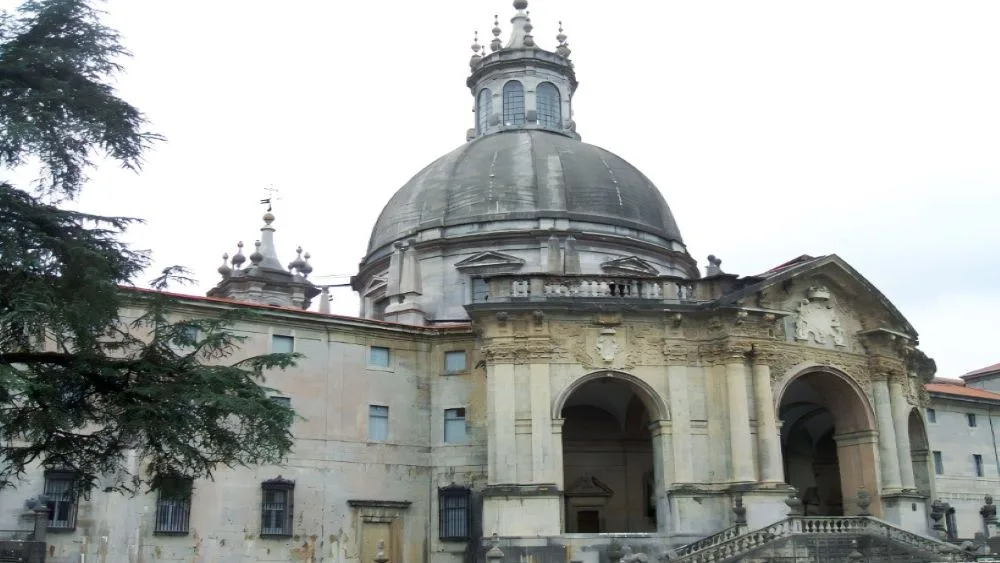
(542, 287)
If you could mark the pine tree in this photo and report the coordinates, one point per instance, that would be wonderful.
(80, 387)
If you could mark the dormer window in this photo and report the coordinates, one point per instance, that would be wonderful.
(548, 105)
(513, 103)
(484, 107)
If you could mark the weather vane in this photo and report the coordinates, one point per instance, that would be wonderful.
(271, 195)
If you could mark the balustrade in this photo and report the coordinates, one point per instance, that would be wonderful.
(584, 287)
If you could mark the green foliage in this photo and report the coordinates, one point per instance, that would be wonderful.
(80, 387)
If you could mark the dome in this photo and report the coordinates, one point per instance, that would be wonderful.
(525, 174)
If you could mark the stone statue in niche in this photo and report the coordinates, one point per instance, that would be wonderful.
(607, 345)
(817, 320)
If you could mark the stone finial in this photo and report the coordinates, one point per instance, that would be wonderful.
(298, 262)
(380, 553)
(795, 507)
(495, 553)
(563, 49)
(864, 502)
(239, 258)
(496, 44)
(476, 57)
(855, 555)
(714, 267)
(256, 256)
(937, 514)
(224, 269)
(306, 267)
(324, 300)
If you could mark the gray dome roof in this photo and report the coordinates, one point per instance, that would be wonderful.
(525, 174)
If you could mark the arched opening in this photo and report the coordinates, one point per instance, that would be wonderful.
(484, 107)
(513, 103)
(920, 454)
(608, 459)
(548, 105)
(828, 443)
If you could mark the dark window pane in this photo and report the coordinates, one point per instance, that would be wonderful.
(547, 105)
(513, 103)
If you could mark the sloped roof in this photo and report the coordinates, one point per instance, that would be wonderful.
(982, 371)
(957, 388)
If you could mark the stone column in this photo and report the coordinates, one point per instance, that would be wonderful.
(680, 416)
(768, 437)
(662, 471)
(741, 446)
(888, 459)
(901, 417)
(543, 469)
(557, 452)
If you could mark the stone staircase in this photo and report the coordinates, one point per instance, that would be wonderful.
(819, 539)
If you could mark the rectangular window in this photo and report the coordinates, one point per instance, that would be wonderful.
(378, 356)
(454, 514)
(977, 463)
(972, 419)
(378, 423)
(284, 401)
(455, 361)
(61, 499)
(282, 344)
(454, 426)
(173, 506)
(480, 290)
(931, 416)
(276, 509)
(938, 464)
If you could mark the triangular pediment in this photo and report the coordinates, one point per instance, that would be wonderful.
(376, 285)
(490, 261)
(588, 486)
(630, 265)
(824, 278)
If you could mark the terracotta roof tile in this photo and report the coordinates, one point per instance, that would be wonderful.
(958, 389)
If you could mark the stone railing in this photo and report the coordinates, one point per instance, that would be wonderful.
(724, 547)
(541, 287)
(706, 542)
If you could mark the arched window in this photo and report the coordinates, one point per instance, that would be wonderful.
(513, 103)
(484, 107)
(548, 105)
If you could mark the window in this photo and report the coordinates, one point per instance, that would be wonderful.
(454, 426)
(453, 512)
(931, 416)
(513, 103)
(977, 463)
(480, 290)
(454, 361)
(972, 419)
(379, 356)
(378, 422)
(173, 506)
(283, 401)
(548, 106)
(60, 499)
(276, 508)
(938, 464)
(282, 344)
(484, 107)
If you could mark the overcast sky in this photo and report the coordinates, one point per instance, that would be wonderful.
(863, 128)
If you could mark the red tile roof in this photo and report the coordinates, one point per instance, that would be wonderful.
(982, 371)
(789, 264)
(958, 388)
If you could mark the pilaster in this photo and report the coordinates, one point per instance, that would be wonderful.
(888, 458)
(663, 474)
(542, 460)
(502, 445)
(901, 419)
(680, 416)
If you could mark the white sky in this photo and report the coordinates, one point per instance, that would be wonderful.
(870, 129)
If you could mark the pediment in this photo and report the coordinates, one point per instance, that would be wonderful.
(490, 261)
(631, 266)
(375, 286)
(588, 486)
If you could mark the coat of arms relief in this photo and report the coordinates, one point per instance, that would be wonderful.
(817, 320)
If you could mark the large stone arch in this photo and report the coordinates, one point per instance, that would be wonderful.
(651, 399)
(814, 403)
(611, 426)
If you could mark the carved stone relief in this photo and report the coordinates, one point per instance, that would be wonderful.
(817, 320)
(607, 345)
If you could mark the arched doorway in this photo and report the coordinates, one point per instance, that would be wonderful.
(828, 442)
(608, 459)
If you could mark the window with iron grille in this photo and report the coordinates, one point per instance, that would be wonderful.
(276, 508)
(60, 499)
(454, 513)
(173, 506)
(513, 103)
